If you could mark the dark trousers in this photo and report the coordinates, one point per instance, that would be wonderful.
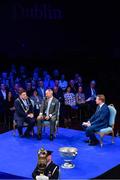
(90, 132)
(52, 126)
(30, 122)
(83, 112)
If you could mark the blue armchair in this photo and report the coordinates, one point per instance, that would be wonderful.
(110, 128)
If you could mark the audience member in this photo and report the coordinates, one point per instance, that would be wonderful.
(63, 83)
(41, 89)
(69, 101)
(3, 104)
(37, 102)
(91, 96)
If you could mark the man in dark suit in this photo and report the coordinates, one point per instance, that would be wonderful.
(90, 95)
(45, 166)
(3, 104)
(41, 89)
(48, 112)
(98, 121)
(24, 113)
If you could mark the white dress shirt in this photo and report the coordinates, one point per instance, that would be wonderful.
(48, 107)
(4, 94)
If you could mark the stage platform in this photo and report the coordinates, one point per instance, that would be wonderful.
(18, 156)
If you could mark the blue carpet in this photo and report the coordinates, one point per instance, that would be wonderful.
(10, 176)
(18, 156)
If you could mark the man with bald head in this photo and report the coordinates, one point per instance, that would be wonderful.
(48, 112)
(91, 97)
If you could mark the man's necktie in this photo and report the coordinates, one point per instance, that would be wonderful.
(48, 107)
(98, 108)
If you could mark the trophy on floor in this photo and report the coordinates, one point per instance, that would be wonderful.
(68, 154)
(42, 160)
(42, 163)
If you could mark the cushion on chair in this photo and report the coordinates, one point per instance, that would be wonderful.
(112, 115)
(106, 130)
(46, 122)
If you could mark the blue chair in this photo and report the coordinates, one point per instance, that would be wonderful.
(110, 128)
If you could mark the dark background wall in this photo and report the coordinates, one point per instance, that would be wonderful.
(79, 37)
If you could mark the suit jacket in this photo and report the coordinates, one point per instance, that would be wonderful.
(101, 118)
(20, 113)
(40, 92)
(53, 110)
(59, 95)
(52, 171)
(88, 93)
(3, 103)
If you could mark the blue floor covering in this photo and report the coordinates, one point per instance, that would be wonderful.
(18, 156)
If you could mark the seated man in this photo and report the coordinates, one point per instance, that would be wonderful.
(98, 121)
(45, 169)
(24, 113)
(48, 112)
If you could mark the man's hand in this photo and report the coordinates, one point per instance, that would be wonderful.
(47, 117)
(30, 115)
(42, 177)
(39, 117)
(84, 123)
(87, 124)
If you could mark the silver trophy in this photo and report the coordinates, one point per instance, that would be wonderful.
(68, 154)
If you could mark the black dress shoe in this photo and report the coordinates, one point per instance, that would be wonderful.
(51, 137)
(21, 135)
(39, 137)
(87, 141)
(26, 135)
(93, 143)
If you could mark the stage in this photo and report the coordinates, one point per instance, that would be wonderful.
(18, 156)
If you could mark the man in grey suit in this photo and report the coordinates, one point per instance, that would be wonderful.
(48, 112)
